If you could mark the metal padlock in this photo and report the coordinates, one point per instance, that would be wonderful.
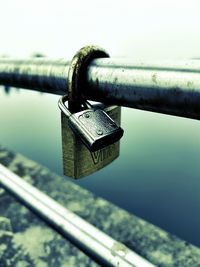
(84, 131)
(93, 125)
(78, 159)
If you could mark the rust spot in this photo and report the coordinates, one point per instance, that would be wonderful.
(154, 78)
(190, 84)
(97, 82)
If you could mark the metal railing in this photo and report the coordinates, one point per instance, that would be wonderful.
(101, 247)
(164, 87)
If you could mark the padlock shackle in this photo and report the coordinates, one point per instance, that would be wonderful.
(61, 103)
(77, 74)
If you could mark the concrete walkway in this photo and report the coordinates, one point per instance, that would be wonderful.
(25, 240)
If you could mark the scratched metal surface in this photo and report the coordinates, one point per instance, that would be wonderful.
(169, 87)
(27, 241)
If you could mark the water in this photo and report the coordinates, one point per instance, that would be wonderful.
(156, 177)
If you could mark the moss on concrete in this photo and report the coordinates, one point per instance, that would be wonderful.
(28, 241)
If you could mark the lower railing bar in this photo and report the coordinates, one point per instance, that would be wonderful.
(99, 246)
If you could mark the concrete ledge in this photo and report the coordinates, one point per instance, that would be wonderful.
(25, 240)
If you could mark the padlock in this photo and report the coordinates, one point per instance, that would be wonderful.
(89, 134)
(78, 160)
(93, 125)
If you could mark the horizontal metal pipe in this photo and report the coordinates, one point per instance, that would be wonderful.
(165, 87)
(101, 247)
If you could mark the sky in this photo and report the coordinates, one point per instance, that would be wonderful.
(138, 29)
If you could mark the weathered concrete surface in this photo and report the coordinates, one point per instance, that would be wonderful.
(27, 241)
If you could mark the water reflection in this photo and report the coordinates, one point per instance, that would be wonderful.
(157, 176)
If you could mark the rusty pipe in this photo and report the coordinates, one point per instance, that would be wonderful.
(164, 87)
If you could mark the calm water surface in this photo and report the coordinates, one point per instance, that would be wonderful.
(157, 176)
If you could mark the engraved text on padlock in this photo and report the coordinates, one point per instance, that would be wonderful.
(78, 160)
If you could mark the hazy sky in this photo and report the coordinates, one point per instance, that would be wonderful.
(130, 28)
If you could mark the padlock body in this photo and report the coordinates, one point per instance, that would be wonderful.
(95, 128)
(78, 160)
